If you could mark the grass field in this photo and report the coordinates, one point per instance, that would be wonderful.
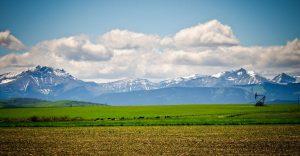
(152, 140)
(150, 115)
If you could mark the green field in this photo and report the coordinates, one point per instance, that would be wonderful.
(152, 140)
(151, 115)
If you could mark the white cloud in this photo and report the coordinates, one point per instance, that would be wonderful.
(8, 41)
(212, 33)
(124, 39)
(287, 56)
(76, 48)
(123, 54)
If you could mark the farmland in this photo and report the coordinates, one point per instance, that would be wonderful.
(150, 115)
(150, 130)
(152, 140)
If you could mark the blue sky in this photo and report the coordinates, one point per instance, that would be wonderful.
(157, 39)
(261, 22)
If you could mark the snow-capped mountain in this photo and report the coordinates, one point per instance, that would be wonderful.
(284, 78)
(40, 82)
(128, 85)
(38, 76)
(228, 78)
(41, 77)
(239, 77)
(46, 82)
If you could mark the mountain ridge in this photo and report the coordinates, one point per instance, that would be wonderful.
(55, 84)
(237, 76)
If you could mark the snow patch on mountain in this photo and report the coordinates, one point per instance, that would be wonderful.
(218, 75)
(8, 77)
(6, 81)
(251, 73)
(45, 91)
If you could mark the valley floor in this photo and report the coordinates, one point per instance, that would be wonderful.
(152, 140)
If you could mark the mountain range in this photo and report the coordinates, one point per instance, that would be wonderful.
(236, 86)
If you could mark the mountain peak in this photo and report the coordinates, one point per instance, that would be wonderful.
(43, 69)
(240, 77)
(46, 71)
(241, 70)
(284, 78)
(284, 74)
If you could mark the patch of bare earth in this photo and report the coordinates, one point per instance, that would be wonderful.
(152, 140)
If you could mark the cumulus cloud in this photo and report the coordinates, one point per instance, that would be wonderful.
(287, 56)
(124, 39)
(8, 41)
(204, 49)
(76, 48)
(212, 33)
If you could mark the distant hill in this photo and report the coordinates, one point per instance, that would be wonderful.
(29, 102)
(177, 95)
(283, 102)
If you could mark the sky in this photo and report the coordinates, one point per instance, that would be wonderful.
(108, 40)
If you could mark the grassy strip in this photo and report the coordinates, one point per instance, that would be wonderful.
(150, 122)
(151, 115)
